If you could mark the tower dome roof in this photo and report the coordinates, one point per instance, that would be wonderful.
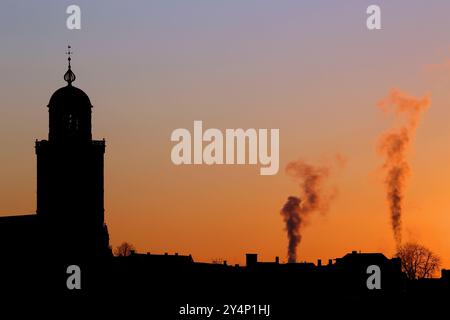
(69, 95)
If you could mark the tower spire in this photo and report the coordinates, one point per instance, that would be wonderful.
(69, 76)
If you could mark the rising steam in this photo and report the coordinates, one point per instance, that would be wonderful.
(296, 211)
(394, 145)
(292, 217)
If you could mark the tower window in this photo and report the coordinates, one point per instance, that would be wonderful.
(73, 122)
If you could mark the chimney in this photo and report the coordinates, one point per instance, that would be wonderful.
(251, 259)
(176, 253)
(277, 260)
(132, 252)
(225, 262)
(319, 262)
(354, 252)
(330, 262)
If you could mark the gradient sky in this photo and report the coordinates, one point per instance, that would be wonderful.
(309, 68)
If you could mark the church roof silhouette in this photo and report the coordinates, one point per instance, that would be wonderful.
(69, 95)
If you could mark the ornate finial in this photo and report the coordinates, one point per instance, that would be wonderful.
(69, 76)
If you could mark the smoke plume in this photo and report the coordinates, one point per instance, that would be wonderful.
(292, 217)
(393, 145)
(312, 198)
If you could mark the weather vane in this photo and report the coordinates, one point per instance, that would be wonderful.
(69, 52)
(69, 76)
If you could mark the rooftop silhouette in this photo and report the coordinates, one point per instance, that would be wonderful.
(69, 228)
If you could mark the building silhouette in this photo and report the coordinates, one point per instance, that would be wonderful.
(69, 228)
(70, 208)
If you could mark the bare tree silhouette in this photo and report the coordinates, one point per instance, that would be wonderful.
(124, 250)
(418, 262)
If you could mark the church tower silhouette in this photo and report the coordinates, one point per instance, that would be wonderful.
(69, 220)
(70, 178)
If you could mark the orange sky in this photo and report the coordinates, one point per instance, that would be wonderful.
(313, 71)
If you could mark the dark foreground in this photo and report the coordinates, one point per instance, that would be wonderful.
(177, 288)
